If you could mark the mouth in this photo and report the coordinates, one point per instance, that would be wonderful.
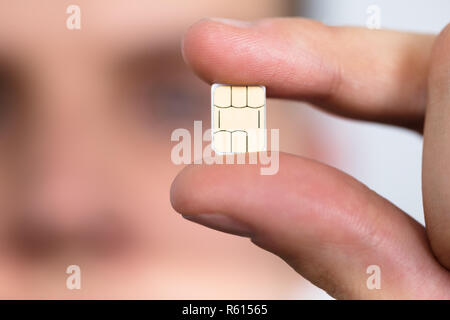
(99, 238)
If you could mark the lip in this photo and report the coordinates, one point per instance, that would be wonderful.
(39, 243)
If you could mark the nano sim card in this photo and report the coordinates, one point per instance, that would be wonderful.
(238, 118)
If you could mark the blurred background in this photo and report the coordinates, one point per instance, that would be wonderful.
(86, 118)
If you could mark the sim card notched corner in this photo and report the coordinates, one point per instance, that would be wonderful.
(238, 119)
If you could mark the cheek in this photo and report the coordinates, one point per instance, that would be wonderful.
(140, 175)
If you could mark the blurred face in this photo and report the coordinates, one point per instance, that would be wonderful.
(85, 170)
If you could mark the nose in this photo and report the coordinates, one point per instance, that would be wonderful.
(61, 172)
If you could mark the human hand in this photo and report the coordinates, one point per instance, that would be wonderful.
(325, 224)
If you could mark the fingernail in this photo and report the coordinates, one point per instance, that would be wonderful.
(220, 222)
(232, 22)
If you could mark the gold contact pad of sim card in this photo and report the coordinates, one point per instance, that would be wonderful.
(238, 118)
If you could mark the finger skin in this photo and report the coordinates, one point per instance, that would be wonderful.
(322, 222)
(359, 73)
(436, 153)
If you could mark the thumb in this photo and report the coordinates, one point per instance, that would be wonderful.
(326, 225)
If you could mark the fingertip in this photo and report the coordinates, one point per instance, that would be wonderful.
(203, 35)
(192, 188)
(191, 36)
(223, 50)
(178, 197)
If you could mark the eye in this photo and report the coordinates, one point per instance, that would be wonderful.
(173, 103)
(162, 91)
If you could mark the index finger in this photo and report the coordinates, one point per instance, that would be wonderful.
(358, 73)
